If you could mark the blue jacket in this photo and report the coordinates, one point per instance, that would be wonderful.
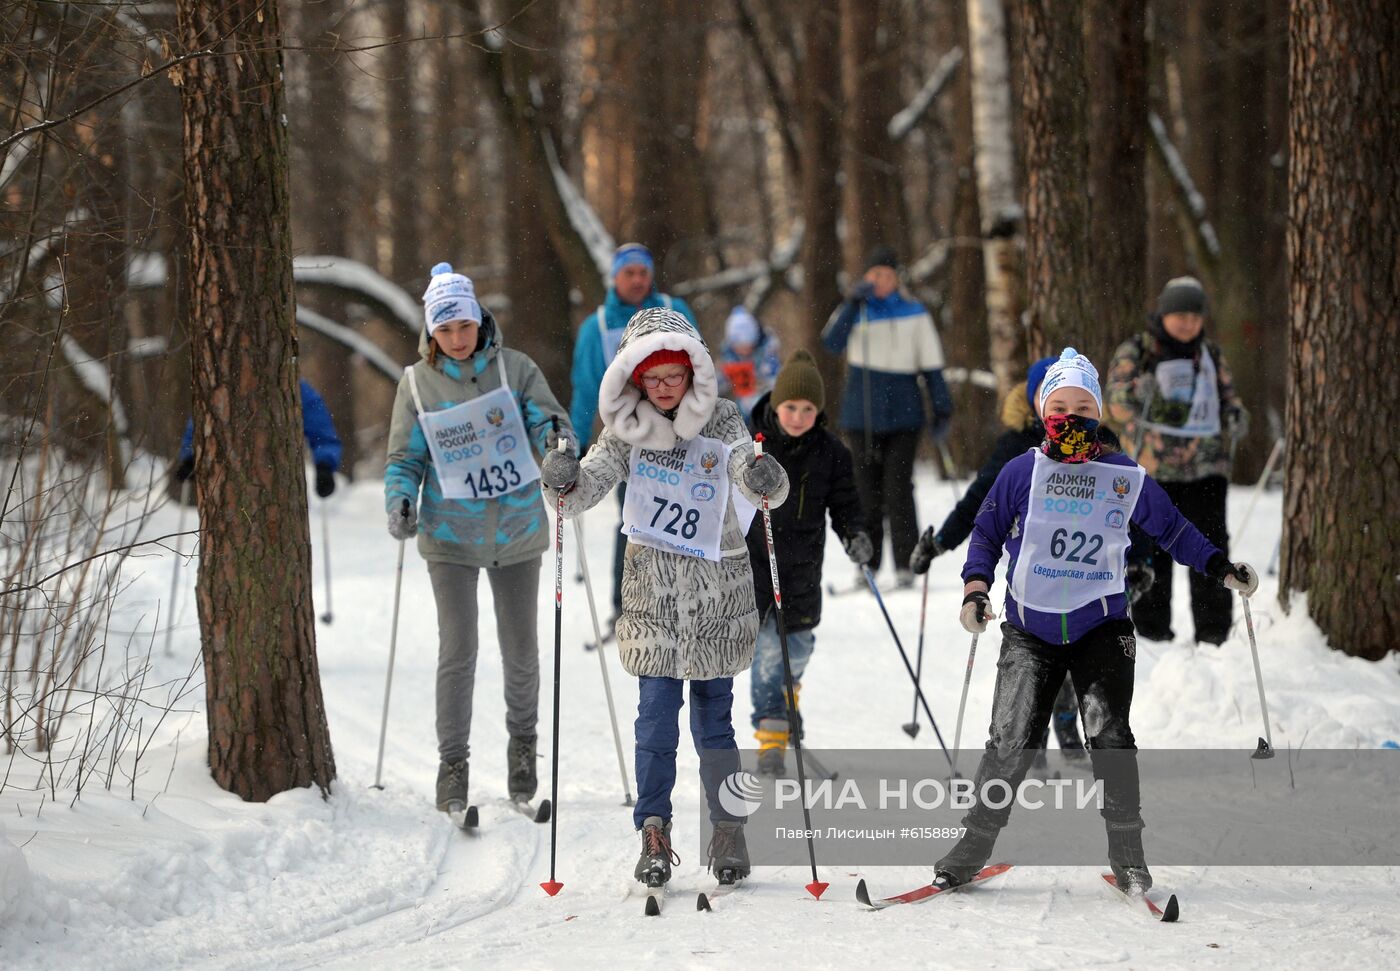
(746, 379)
(899, 338)
(999, 522)
(316, 425)
(589, 362)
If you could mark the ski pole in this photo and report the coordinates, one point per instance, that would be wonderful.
(393, 645)
(553, 886)
(962, 704)
(1259, 488)
(816, 888)
(918, 691)
(602, 663)
(1265, 749)
(175, 568)
(912, 728)
(950, 470)
(326, 546)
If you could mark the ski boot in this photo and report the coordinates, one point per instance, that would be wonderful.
(452, 785)
(772, 735)
(729, 854)
(654, 865)
(965, 860)
(1126, 858)
(520, 762)
(903, 578)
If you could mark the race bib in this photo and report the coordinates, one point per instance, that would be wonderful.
(1075, 541)
(1188, 398)
(743, 377)
(676, 498)
(480, 448)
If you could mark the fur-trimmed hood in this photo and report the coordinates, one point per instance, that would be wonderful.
(624, 407)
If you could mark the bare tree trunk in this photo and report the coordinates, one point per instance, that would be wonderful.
(267, 725)
(818, 111)
(1053, 129)
(1116, 57)
(1342, 472)
(1002, 216)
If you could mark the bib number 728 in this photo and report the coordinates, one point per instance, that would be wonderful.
(688, 526)
(1061, 539)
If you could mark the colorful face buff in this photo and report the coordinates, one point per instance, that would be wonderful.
(1071, 438)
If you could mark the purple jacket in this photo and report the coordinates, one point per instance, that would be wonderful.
(999, 522)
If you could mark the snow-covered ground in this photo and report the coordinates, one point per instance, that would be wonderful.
(185, 875)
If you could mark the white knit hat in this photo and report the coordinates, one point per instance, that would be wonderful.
(1072, 370)
(742, 327)
(450, 296)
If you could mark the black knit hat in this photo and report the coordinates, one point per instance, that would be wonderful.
(883, 255)
(799, 379)
(1182, 295)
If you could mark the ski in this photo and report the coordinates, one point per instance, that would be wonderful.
(655, 895)
(464, 817)
(536, 813)
(1167, 913)
(722, 889)
(927, 892)
(810, 761)
(834, 591)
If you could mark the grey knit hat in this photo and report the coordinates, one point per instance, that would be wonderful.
(1182, 295)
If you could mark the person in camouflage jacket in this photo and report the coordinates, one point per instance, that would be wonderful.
(1170, 395)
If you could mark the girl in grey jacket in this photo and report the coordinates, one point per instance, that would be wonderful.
(688, 611)
(467, 420)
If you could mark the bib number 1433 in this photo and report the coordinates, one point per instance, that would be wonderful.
(684, 522)
(492, 480)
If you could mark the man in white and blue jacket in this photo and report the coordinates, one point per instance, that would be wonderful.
(890, 342)
(633, 288)
(1062, 512)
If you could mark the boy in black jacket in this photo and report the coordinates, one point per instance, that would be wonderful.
(821, 481)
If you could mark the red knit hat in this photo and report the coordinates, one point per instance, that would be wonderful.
(659, 359)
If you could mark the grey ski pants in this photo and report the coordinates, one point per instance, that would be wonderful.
(514, 594)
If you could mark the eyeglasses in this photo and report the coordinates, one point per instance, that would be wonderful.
(674, 381)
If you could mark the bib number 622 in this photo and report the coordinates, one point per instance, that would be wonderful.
(1061, 539)
(688, 526)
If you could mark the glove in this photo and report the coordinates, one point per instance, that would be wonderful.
(403, 522)
(860, 290)
(925, 551)
(185, 470)
(559, 470)
(325, 480)
(1235, 576)
(976, 611)
(762, 477)
(1139, 577)
(859, 548)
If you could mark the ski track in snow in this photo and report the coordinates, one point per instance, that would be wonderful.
(192, 877)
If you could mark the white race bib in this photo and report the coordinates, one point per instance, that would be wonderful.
(676, 498)
(611, 338)
(480, 447)
(1075, 537)
(1180, 383)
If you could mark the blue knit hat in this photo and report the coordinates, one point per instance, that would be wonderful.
(1036, 375)
(632, 254)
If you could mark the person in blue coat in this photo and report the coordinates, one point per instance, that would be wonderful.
(890, 343)
(321, 438)
(1062, 511)
(633, 289)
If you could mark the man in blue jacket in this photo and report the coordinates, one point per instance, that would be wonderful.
(320, 434)
(890, 342)
(633, 289)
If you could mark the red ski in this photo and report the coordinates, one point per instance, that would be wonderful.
(928, 891)
(1167, 913)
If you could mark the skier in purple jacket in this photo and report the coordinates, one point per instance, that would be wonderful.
(1062, 512)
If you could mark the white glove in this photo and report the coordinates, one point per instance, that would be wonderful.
(403, 522)
(976, 612)
(1242, 577)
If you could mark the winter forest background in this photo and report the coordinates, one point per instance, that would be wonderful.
(1043, 167)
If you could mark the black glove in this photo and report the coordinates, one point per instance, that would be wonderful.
(184, 472)
(859, 548)
(860, 290)
(976, 611)
(325, 480)
(1139, 577)
(925, 551)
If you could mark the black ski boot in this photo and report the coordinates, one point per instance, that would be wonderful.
(654, 865)
(967, 857)
(520, 762)
(1126, 858)
(452, 785)
(729, 854)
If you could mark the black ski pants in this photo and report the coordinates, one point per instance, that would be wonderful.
(885, 481)
(1212, 604)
